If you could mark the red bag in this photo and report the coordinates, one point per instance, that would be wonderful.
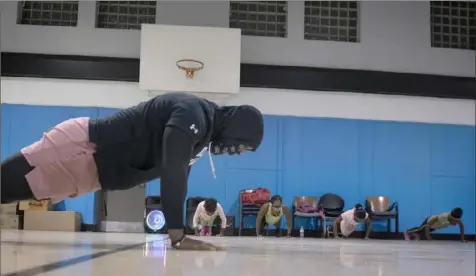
(257, 196)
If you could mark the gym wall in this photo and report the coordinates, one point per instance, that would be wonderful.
(418, 151)
(392, 36)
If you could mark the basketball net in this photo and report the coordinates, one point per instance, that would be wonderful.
(190, 66)
(189, 73)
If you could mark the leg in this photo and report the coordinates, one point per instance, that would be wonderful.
(63, 162)
(278, 229)
(14, 186)
(67, 139)
(411, 231)
(415, 231)
(209, 230)
(203, 231)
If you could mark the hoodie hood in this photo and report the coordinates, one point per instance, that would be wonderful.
(238, 125)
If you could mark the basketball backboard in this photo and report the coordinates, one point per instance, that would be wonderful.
(218, 49)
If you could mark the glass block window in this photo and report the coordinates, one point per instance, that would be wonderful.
(50, 13)
(125, 14)
(453, 24)
(331, 20)
(259, 18)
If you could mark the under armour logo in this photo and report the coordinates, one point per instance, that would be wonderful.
(193, 128)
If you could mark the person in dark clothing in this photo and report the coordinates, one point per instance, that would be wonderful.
(159, 138)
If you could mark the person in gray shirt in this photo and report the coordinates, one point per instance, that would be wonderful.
(436, 222)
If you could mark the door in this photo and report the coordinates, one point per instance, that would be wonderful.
(124, 210)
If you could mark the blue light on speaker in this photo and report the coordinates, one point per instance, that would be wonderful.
(155, 220)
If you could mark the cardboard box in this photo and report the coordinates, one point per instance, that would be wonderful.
(9, 222)
(52, 221)
(9, 209)
(43, 205)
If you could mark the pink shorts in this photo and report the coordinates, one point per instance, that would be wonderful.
(63, 162)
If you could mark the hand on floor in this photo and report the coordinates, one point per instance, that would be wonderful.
(191, 244)
(260, 237)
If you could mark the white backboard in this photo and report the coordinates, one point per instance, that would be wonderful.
(163, 45)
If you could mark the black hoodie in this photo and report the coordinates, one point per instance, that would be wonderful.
(162, 137)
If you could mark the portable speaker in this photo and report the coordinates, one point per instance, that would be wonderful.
(154, 219)
(192, 203)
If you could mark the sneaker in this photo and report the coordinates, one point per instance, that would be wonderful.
(417, 236)
(407, 236)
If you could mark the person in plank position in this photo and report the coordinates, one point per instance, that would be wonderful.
(271, 213)
(346, 223)
(436, 222)
(205, 215)
(159, 138)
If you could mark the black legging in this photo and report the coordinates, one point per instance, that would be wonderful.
(14, 186)
(420, 229)
(277, 225)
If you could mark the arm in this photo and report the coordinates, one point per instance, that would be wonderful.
(369, 227)
(259, 218)
(196, 217)
(289, 220)
(176, 154)
(461, 230)
(221, 213)
(428, 226)
(335, 225)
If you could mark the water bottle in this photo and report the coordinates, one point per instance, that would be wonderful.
(301, 232)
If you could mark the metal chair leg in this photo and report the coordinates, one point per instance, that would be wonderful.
(241, 225)
(324, 227)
